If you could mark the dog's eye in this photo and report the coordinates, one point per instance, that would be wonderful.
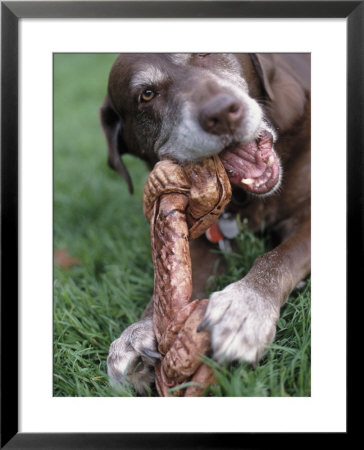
(202, 55)
(147, 95)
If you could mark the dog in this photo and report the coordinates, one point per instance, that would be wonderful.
(254, 111)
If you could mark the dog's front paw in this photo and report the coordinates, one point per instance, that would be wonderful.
(133, 355)
(241, 321)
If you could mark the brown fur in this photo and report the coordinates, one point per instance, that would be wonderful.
(281, 85)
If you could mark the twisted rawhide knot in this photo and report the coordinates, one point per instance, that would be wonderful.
(181, 202)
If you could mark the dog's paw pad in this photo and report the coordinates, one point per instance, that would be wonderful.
(133, 355)
(241, 323)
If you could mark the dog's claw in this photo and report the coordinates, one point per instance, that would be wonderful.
(202, 326)
(151, 353)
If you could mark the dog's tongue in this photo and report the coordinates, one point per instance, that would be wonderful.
(253, 166)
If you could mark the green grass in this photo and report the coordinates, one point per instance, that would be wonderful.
(103, 226)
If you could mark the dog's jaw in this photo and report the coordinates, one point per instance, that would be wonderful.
(254, 166)
(248, 155)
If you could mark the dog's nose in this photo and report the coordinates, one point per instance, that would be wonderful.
(221, 115)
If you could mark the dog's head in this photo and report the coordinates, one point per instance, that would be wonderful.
(187, 107)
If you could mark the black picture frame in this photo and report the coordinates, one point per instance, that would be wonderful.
(11, 13)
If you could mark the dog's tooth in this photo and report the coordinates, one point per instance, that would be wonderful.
(247, 181)
(270, 161)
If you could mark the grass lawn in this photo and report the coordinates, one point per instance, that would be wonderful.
(99, 223)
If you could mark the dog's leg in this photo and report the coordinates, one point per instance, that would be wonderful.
(133, 355)
(242, 317)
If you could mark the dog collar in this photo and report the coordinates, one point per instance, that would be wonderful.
(224, 230)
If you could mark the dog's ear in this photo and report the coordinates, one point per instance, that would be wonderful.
(264, 69)
(112, 123)
(285, 89)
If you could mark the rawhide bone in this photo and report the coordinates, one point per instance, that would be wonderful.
(181, 202)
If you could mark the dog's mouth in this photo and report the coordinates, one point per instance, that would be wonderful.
(253, 166)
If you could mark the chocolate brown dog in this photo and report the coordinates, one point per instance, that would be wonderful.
(254, 111)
